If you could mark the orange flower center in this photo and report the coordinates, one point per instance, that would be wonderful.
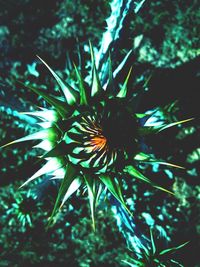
(98, 142)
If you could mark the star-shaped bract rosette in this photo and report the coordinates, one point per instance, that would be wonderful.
(90, 137)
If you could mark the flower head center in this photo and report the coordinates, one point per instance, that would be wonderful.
(98, 142)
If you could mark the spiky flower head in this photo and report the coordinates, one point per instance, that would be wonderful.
(90, 136)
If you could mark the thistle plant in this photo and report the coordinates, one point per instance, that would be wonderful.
(91, 137)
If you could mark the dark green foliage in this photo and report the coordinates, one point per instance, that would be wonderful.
(70, 242)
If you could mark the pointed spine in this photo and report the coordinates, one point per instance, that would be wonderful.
(50, 166)
(109, 86)
(70, 176)
(68, 91)
(123, 92)
(49, 134)
(96, 86)
(82, 91)
(57, 104)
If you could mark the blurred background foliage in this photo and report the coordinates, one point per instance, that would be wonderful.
(169, 51)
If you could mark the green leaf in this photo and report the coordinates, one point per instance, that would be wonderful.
(59, 105)
(174, 249)
(135, 173)
(71, 174)
(83, 95)
(123, 91)
(69, 92)
(112, 184)
(96, 85)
